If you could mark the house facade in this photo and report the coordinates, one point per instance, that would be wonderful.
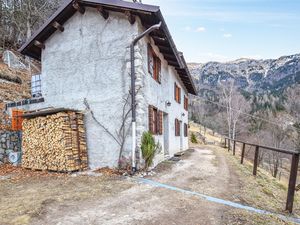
(84, 49)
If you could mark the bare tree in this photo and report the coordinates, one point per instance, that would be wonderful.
(18, 19)
(235, 104)
(293, 107)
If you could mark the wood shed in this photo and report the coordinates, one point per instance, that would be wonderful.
(54, 140)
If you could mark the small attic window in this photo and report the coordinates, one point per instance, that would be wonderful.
(36, 86)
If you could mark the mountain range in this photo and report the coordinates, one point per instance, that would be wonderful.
(259, 77)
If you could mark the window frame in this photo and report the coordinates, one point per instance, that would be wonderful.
(154, 65)
(177, 128)
(185, 130)
(155, 120)
(177, 93)
(186, 103)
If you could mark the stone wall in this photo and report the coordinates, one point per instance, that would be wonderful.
(9, 141)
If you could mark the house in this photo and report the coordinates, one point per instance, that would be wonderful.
(84, 49)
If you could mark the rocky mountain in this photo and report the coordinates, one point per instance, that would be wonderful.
(249, 75)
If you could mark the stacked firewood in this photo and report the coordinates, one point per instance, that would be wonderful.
(54, 142)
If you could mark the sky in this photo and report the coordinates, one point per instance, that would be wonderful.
(225, 30)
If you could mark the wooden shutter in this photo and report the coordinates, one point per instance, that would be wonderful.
(160, 123)
(150, 60)
(175, 92)
(177, 127)
(179, 95)
(185, 130)
(186, 103)
(150, 118)
(17, 119)
(158, 69)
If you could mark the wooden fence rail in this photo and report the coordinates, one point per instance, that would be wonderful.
(258, 148)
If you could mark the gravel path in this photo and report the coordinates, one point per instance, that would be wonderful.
(202, 170)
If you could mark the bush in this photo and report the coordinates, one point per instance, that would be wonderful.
(194, 139)
(149, 149)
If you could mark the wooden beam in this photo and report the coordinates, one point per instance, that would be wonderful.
(172, 63)
(57, 26)
(79, 7)
(103, 12)
(130, 17)
(39, 44)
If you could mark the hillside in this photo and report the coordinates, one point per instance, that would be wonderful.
(14, 83)
(250, 75)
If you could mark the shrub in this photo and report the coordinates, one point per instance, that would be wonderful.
(149, 149)
(194, 139)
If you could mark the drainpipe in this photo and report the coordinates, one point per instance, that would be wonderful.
(133, 103)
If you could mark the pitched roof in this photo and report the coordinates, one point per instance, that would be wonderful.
(149, 16)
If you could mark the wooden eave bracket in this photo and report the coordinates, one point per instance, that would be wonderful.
(39, 44)
(58, 26)
(130, 17)
(103, 12)
(78, 7)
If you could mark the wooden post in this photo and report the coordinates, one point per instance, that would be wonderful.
(243, 153)
(225, 142)
(234, 143)
(255, 164)
(228, 145)
(292, 183)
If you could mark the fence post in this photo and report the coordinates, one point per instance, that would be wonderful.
(292, 183)
(255, 164)
(243, 153)
(225, 142)
(228, 145)
(234, 143)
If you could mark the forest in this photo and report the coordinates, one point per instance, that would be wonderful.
(20, 18)
(255, 119)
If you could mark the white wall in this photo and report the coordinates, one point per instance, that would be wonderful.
(90, 60)
(157, 95)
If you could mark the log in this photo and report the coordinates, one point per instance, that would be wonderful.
(55, 143)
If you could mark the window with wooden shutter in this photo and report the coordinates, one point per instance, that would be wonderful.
(177, 127)
(160, 119)
(151, 127)
(155, 121)
(150, 60)
(185, 130)
(17, 119)
(158, 69)
(154, 65)
(186, 103)
(177, 93)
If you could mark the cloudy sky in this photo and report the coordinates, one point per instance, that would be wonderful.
(224, 30)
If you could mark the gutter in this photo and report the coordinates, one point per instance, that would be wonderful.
(133, 94)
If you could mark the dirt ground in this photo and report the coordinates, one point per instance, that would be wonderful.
(113, 199)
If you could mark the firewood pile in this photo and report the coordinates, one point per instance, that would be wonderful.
(54, 142)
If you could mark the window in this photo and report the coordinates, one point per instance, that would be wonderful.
(17, 119)
(154, 65)
(36, 86)
(155, 121)
(177, 127)
(186, 103)
(177, 93)
(185, 130)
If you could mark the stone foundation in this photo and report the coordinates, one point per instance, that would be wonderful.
(9, 141)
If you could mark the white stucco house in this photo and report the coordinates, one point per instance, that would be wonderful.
(84, 49)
